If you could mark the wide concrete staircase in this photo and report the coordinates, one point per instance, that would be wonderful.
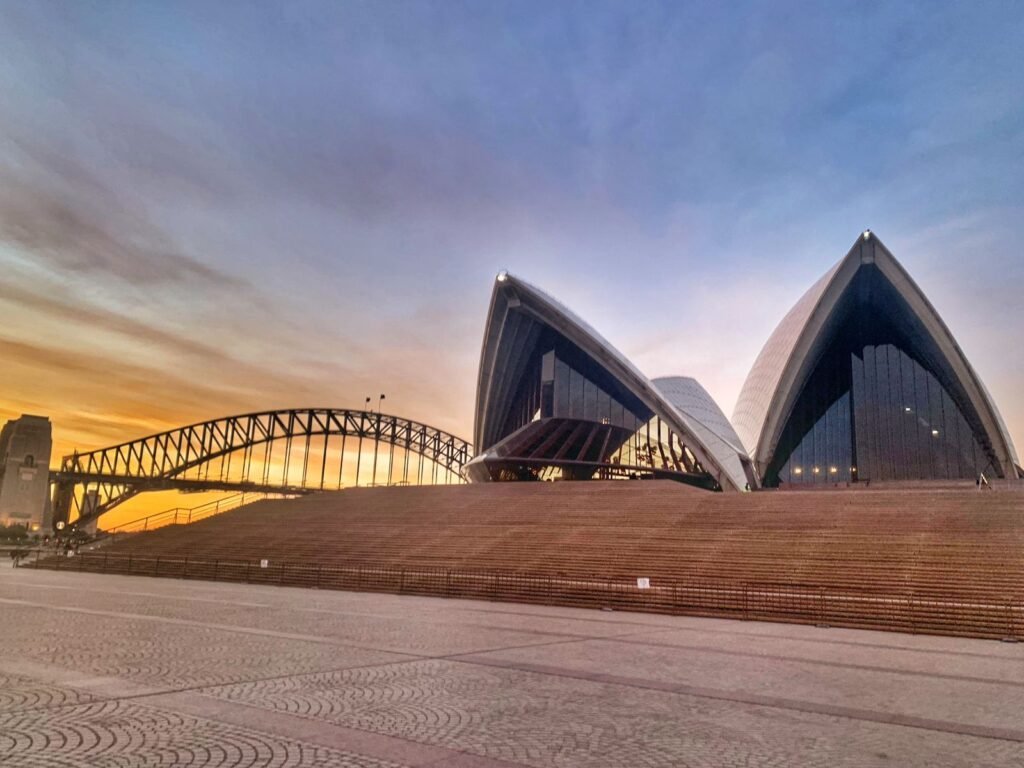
(944, 560)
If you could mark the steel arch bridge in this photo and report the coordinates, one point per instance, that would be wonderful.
(288, 451)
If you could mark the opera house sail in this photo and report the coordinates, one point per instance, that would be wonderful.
(557, 401)
(862, 381)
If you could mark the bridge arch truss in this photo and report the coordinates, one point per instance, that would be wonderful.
(285, 451)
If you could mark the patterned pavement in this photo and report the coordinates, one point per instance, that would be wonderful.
(128, 671)
(123, 733)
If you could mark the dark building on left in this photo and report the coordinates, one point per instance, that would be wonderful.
(25, 446)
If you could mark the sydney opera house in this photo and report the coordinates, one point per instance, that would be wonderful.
(861, 381)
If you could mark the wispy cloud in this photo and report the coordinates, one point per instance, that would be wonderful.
(83, 317)
(66, 216)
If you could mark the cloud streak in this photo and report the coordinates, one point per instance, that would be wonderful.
(68, 218)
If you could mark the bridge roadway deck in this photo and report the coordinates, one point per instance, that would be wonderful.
(116, 670)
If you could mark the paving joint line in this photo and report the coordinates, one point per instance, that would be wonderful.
(206, 625)
(327, 611)
(836, 641)
(280, 635)
(816, 662)
(757, 700)
(658, 628)
(142, 594)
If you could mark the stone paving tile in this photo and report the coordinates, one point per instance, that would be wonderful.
(1007, 666)
(768, 632)
(431, 636)
(121, 733)
(19, 693)
(990, 704)
(50, 585)
(544, 721)
(173, 657)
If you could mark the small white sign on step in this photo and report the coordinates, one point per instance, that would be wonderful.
(264, 563)
(643, 583)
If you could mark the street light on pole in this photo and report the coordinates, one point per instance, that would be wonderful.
(359, 450)
(376, 441)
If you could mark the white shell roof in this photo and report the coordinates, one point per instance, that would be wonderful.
(755, 398)
(714, 457)
(764, 392)
(708, 422)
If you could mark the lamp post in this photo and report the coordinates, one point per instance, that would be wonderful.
(376, 442)
(359, 448)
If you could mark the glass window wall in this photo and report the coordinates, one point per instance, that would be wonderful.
(875, 414)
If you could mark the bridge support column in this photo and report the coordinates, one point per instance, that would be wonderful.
(63, 497)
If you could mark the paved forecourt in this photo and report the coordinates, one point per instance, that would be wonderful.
(116, 670)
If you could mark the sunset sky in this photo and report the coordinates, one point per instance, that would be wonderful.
(210, 208)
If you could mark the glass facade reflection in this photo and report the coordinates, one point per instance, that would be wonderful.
(577, 397)
(875, 413)
(588, 418)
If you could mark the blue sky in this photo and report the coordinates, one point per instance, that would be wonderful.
(208, 208)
